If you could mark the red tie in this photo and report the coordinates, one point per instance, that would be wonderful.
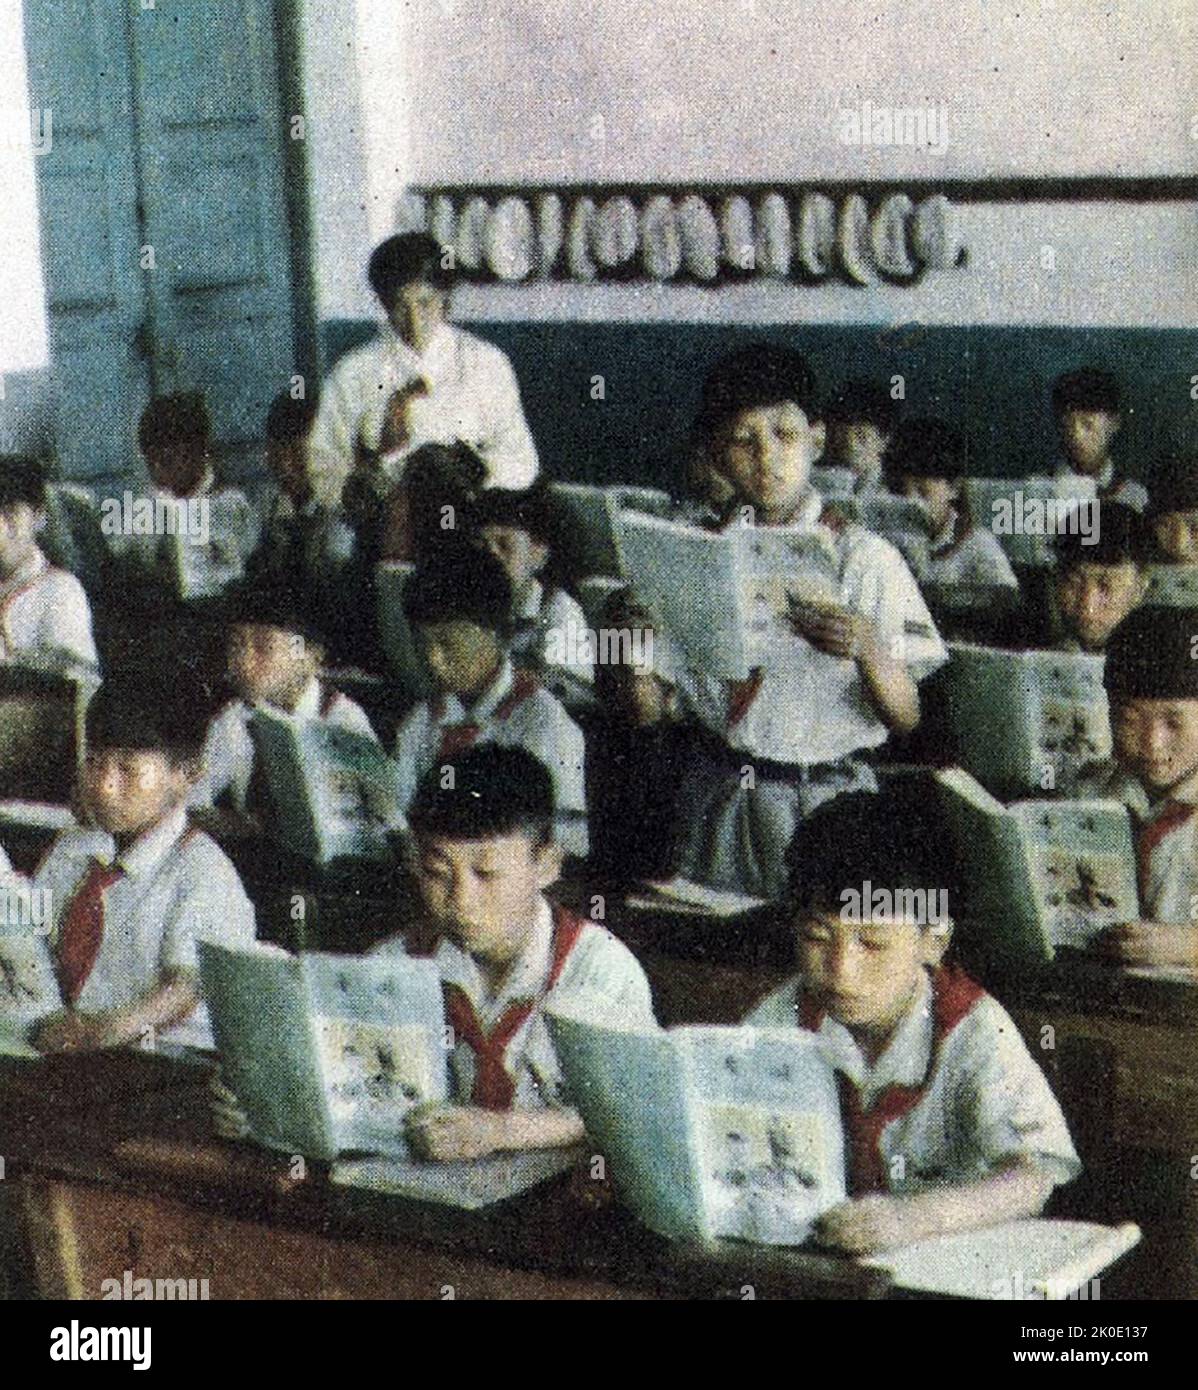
(1171, 815)
(83, 928)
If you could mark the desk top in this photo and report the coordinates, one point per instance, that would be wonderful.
(139, 1123)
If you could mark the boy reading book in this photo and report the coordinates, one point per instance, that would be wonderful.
(459, 604)
(482, 854)
(927, 463)
(861, 420)
(1100, 577)
(788, 738)
(949, 1123)
(44, 612)
(134, 885)
(1087, 406)
(1151, 679)
(274, 658)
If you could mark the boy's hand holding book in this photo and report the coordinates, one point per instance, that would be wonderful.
(866, 1224)
(835, 630)
(444, 1133)
(1150, 943)
(68, 1030)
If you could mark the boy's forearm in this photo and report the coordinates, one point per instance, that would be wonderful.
(540, 1129)
(892, 691)
(1015, 1192)
(167, 1004)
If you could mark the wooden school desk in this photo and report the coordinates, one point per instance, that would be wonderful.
(116, 1172)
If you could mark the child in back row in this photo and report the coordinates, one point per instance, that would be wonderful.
(1087, 406)
(949, 1123)
(1173, 514)
(274, 659)
(133, 885)
(926, 461)
(861, 420)
(1151, 678)
(783, 741)
(44, 612)
(459, 603)
(1099, 577)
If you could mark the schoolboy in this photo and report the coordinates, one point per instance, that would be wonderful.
(1173, 513)
(1087, 406)
(215, 525)
(926, 462)
(300, 543)
(274, 658)
(1151, 678)
(949, 1123)
(482, 854)
(861, 420)
(133, 886)
(421, 380)
(44, 611)
(782, 741)
(549, 632)
(1099, 576)
(459, 602)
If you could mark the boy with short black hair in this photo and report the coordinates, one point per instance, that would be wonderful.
(459, 603)
(44, 612)
(1151, 678)
(1099, 576)
(274, 658)
(1173, 513)
(926, 461)
(1087, 406)
(134, 885)
(782, 741)
(861, 419)
(949, 1123)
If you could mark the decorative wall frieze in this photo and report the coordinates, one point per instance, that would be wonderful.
(797, 235)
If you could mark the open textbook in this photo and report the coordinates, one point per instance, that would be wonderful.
(1032, 1259)
(469, 1183)
(724, 596)
(29, 989)
(1027, 514)
(326, 1053)
(903, 521)
(1026, 721)
(335, 792)
(710, 1132)
(395, 632)
(43, 705)
(203, 566)
(1172, 586)
(1037, 875)
(592, 515)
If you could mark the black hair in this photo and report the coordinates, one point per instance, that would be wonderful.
(895, 841)
(22, 479)
(1174, 484)
(264, 603)
(410, 258)
(289, 419)
(437, 477)
(1087, 388)
(493, 791)
(763, 374)
(927, 448)
(530, 510)
(460, 582)
(1150, 656)
(1119, 535)
(148, 715)
(169, 421)
(863, 402)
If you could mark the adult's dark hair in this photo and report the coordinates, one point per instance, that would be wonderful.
(408, 259)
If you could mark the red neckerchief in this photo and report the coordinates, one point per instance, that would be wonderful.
(458, 738)
(494, 1088)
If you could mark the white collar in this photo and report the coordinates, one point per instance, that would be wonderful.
(905, 1059)
(308, 704)
(1101, 480)
(529, 607)
(429, 363)
(202, 489)
(484, 707)
(947, 533)
(150, 848)
(525, 979)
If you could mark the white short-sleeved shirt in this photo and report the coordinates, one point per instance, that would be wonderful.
(1169, 877)
(986, 1101)
(819, 711)
(513, 714)
(229, 748)
(1109, 487)
(473, 396)
(601, 975)
(178, 886)
(44, 612)
(552, 634)
(977, 557)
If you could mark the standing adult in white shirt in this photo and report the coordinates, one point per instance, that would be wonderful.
(420, 381)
